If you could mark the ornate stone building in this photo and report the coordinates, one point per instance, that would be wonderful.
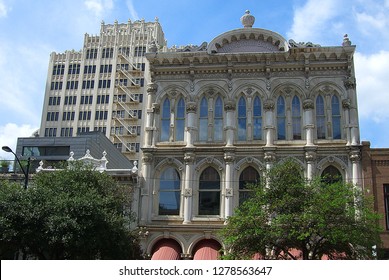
(220, 114)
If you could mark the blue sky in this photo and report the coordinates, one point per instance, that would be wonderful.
(31, 30)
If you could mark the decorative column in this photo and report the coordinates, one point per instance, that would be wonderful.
(151, 91)
(353, 111)
(346, 104)
(191, 108)
(229, 107)
(355, 158)
(145, 190)
(310, 157)
(189, 159)
(268, 106)
(229, 158)
(270, 158)
(308, 107)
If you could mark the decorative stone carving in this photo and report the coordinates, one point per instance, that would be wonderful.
(310, 156)
(229, 192)
(346, 41)
(189, 157)
(247, 20)
(269, 105)
(229, 106)
(147, 158)
(355, 156)
(143, 233)
(229, 157)
(294, 44)
(152, 88)
(308, 104)
(346, 103)
(188, 192)
(350, 83)
(156, 108)
(270, 157)
(191, 107)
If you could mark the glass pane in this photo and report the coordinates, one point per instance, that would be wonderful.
(209, 203)
(170, 180)
(319, 106)
(320, 123)
(218, 129)
(203, 130)
(165, 130)
(180, 129)
(204, 108)
(257, 128)
(281, 135)
(209, 179)
(166, 109)
(242, 129)
(331, 174)
(335, 105)
(242, 108)
(336, 131)
(296, 107)
(257, 107)
(218, 108)
(169, 203)
(181, 109)
(280, 106)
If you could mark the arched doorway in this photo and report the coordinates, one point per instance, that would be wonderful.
(166, 249)
(207, 249)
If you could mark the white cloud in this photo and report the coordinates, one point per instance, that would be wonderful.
(9, 134)
(99, 7)
(131, 8)
(3, 9)
(372, 89)
(309, 20)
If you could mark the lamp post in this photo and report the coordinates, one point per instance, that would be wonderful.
(25, 172)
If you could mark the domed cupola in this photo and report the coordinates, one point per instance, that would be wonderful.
(247, 20)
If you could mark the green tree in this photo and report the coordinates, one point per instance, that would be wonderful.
(74, 213)
(289, 218)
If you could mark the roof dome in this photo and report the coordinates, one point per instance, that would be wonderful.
(247, 20)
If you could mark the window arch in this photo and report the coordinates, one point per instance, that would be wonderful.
(209, 192)
(169, 192)
(248, 176)
(242, 119)
(180, 120)
(281, 119)
(296, 118)
(320, 118)
(165, 125)
(257, 119)
(218, 120)
(335, 111)
(203, 126)
(331, 174)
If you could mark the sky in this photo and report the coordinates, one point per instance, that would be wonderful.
(31, 30)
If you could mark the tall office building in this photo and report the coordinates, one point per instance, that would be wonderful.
(101, 87)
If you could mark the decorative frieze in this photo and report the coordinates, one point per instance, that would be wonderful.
(191, 107)
(308, 104)
(269, 105)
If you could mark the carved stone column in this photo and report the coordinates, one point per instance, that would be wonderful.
(310, 157)
(191, 109)
(354, 122)
(189, 159)
(269, 106)
(270, 158)
(145, 203)
(229, 107)
(308, 107)
(151, 91)
(229, 158)
(355, 158)
(346, 104)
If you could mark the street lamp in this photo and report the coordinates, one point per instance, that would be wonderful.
(25, 172)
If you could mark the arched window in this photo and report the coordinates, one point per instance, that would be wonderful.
(248, 176)
(180, 120)
(335, 110)
(331, 174)
(203, 129)
(281, 131)
(320, 118)
(296, 118)
(218, 120)
(165, 126)
(209, 192)
(169, 192)
(242, 119)
(257, 119)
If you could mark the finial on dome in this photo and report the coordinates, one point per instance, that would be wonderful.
(247, 20)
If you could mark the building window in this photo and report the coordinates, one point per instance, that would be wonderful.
(54, 100)
(56, 86)
(203, 129)
(242, 120)
(107, 53)
(335, 110)
(165, 129)
(89, 69)
(104, 83)
(88, 84)
(281, 119)
(257, 119)
(386, 199)
(218, 120)
(331, 175)
(58, 69)
(248, 176)
(169, 192)
(209, 192)
(52, 116)
(84, 115)
(107, 68)
(180, 120)
(296, 118)
(74, 69)
(91, 54)
(50, 132)
(87, 99)
(139, 51)
(320, 118)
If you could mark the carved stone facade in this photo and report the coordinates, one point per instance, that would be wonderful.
(241, 103)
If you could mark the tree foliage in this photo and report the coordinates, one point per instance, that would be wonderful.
(74, 213)
(289, 218)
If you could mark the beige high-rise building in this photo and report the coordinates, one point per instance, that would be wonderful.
(102, 87)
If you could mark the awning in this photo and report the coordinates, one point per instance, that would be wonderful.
(166, 249)
(207, 250)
